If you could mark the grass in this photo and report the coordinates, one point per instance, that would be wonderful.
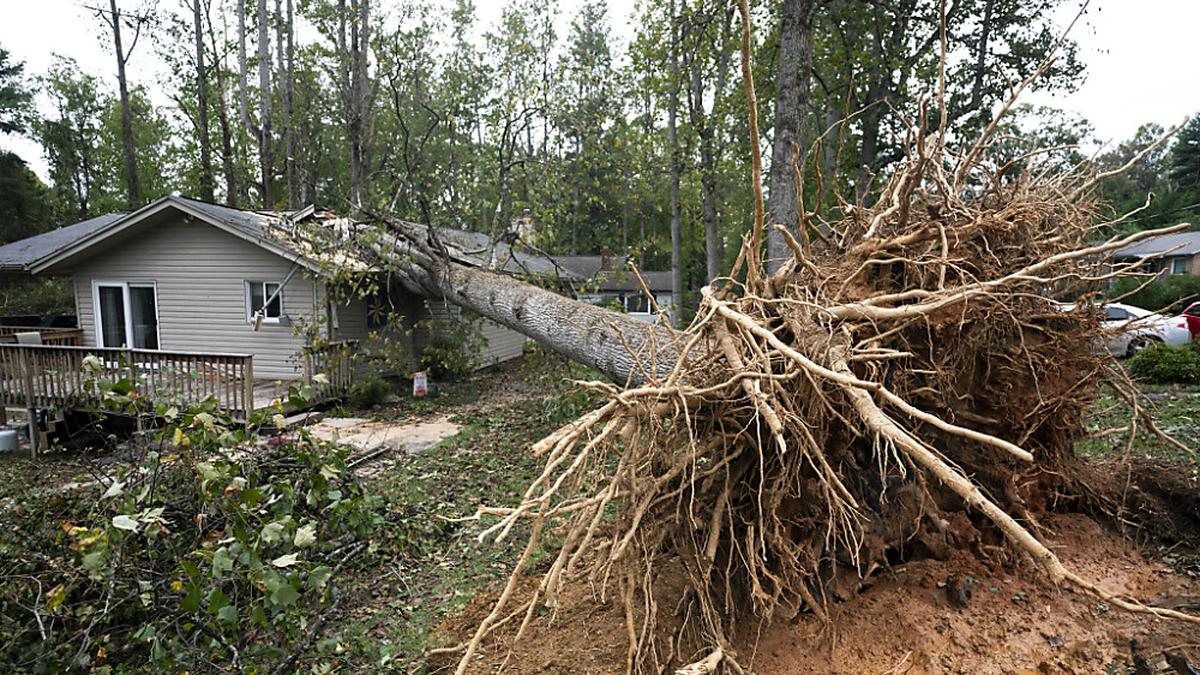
(1176, 411)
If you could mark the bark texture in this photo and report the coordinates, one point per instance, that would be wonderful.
(792, 108)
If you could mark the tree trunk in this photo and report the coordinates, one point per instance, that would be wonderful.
(676, 169)
(618, 345)
(289, 103)
(227, 168)
(265, 154)
(792, 103)
(359, 94)
(206, 171)
(705, 125)
(133, 197)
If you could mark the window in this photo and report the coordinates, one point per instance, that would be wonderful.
(1115, 314)
(1179, 265)
(126, 314)
(257, 294)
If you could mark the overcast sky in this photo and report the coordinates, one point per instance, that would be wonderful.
(1143, 62)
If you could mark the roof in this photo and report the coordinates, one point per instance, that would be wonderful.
(1180, 243)
(22, 254)
(274, 231)
(619, 276)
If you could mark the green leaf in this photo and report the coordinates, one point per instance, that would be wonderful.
(319, 576)
(191, 601)
(216, 601)
(285, 595)
(305, 536)
(124, 522)
(228, 614)
(222, 561)
(272, 532)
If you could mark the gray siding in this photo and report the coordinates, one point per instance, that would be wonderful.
(499, 343)
(199, 274)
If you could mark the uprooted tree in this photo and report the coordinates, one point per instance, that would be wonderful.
(907, 378)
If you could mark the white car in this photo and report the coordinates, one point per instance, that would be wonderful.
(1131, 329)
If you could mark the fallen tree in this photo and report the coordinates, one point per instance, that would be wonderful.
(906, 379)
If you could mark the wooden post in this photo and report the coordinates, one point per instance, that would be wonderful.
(248, 392)
(30, 406)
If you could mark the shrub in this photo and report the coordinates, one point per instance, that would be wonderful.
(1170, 295)
(452, 349)
(369, 392)
(207, 548)
(1163, 364)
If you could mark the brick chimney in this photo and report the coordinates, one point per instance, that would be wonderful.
(606, 259)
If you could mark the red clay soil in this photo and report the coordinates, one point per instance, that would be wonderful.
(904, 622)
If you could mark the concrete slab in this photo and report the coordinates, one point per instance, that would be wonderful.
(367, 435)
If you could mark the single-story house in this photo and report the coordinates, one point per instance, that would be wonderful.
(1168, 254)
(610, 280)
(182, 275)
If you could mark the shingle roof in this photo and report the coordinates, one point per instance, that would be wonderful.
(19, 255)
(272, 230)
(1181, 243)
(619, 278)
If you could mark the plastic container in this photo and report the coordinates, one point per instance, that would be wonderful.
(8, 439)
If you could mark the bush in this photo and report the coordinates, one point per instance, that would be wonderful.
(1162, 364)
(207, 548)
(1171, 295)
(369, 393)
(453, 347)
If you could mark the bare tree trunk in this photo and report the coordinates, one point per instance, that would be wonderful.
(676, 169)
(265, 153)
(705, 126)
(227, 168)
(792, 103)
(289, 103)
(206, 172)
(359, 96)
(133, 196)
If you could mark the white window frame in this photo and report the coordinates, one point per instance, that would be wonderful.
(128, 301)
(250, 308)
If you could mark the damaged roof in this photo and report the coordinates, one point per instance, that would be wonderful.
(614, 274)
(275, 231)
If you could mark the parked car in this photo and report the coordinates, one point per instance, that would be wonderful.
(1131, 329)
(1192, 316)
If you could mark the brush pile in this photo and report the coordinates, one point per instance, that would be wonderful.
(907, 381)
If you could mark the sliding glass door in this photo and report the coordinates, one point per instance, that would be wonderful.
(126, 315)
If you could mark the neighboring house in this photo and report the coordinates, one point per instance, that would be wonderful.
(1166, 255)
(610, 280)
(189, 276)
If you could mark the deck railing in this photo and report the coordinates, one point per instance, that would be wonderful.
(50, 336)
(334, 360)
(43, 376)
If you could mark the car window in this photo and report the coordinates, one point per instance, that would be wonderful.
(1194, 310)
(1115, 313)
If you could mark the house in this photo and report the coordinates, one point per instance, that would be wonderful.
(1168, 254)
(610, 280)
(185, 276)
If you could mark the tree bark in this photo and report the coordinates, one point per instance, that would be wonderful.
(792, 110)
(133, 190)
(227, 168)
(289, 103)
(676, 170)
(265, 153)
(359, 95)
(705, 125)
(206, 171)
(623, 348)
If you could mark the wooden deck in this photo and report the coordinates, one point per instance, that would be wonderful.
(57, 376)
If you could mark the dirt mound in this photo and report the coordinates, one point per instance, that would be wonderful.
(906, 619)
